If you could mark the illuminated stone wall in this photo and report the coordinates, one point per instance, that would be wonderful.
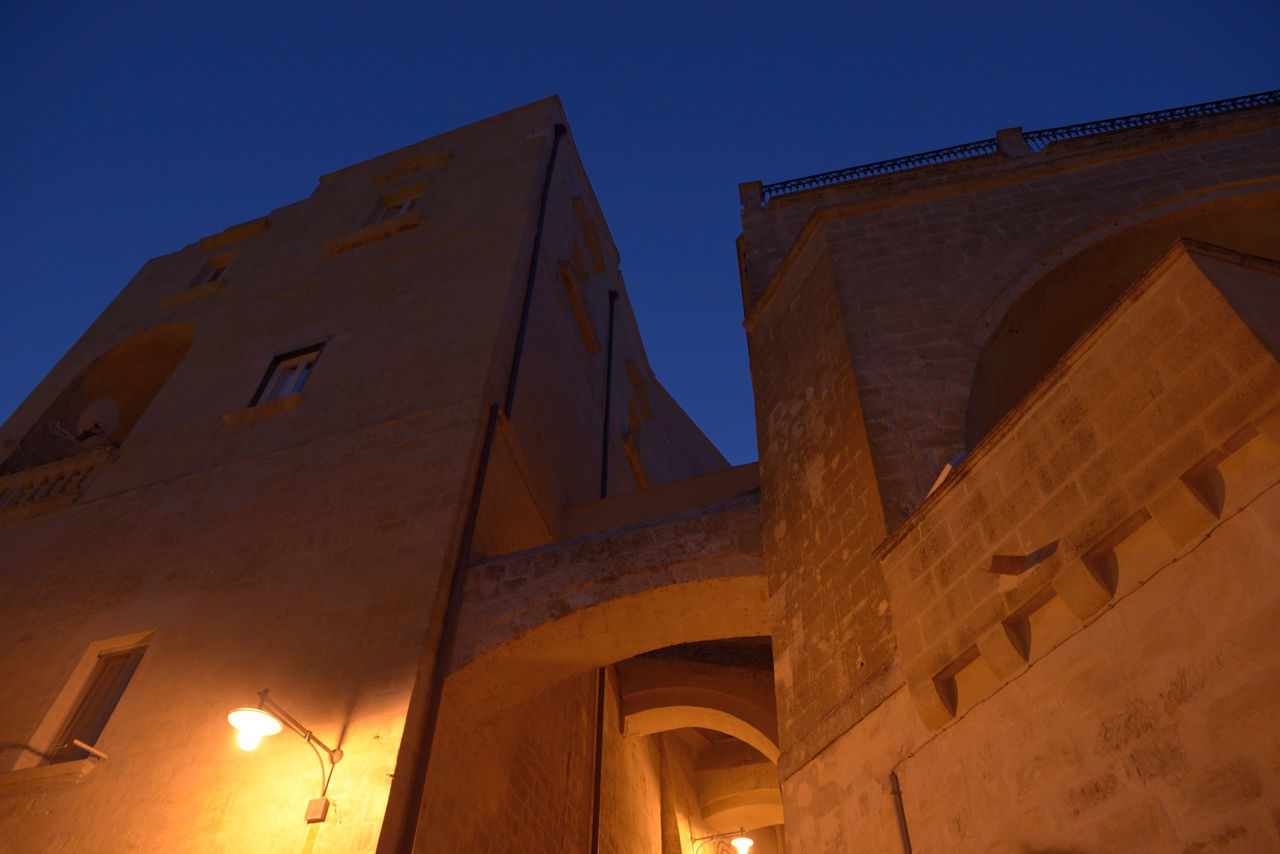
(1063, 620)
(301, 545)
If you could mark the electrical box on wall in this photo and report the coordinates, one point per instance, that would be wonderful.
(317, 809)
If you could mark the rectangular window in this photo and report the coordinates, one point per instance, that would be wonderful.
(286, 375)
(111, 675)
(213, 269)
(394, 209)
(396, 203)
(86, 702)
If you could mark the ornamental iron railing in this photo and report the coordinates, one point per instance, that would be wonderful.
(1036, 139)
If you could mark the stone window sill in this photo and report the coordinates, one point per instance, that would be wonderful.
(263, 410)
(189, 294)
(45, 776)
(370, 233)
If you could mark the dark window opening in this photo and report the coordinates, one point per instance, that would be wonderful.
(110, 677)
(286, 375)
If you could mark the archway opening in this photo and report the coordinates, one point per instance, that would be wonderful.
(1056, 310)
(101, 405)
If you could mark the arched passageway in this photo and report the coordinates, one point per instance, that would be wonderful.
(542, 631)
(546, 614)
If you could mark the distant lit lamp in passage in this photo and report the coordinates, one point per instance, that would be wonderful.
(268, 719)
(740, 841)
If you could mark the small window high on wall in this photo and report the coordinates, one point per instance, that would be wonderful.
(286, 375)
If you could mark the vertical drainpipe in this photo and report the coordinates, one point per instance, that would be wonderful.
(402, 838)
(896, 791)
(509, 401)
(604, 493)
(608, 397)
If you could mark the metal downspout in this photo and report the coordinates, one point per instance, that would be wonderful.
(405, 837)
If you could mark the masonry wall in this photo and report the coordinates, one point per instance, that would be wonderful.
(1042, 638)
(529, 776)
(928, 261)
(550, 451)
(526, 776)
(236, 605)
(302, 544)
(296, 548)
(834, 650)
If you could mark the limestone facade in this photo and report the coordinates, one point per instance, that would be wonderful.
(1004, 577)
(1018, 492)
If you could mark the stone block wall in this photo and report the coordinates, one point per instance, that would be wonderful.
(1119, 463)
(1138, 463)
(926, 262)
(833, 649)
(1087, 609)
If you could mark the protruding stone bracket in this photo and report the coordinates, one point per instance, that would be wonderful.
(1010, 141)
(1094, 579)
(1190, 506)
(1008, 564)
(1268, 426)
(935, 702)
(1018, 564)
(1084, 588)
(1005, 646)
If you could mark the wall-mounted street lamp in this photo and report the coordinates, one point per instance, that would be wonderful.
(740, 841)
(268, 719)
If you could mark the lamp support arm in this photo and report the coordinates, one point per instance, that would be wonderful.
(269, 705)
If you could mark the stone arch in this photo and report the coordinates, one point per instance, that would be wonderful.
(664, 694)
(538, 625)
(608, 630)
(101, 405)
(546, 614)
(1039, 314)
(737, 787)
(700, 712)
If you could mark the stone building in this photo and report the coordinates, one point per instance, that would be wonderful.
(1005, 576)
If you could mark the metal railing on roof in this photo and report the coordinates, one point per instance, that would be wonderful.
(1037, 139)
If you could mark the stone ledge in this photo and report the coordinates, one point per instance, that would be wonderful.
(371, 233)
(189, 294)
(236, 233)
(414, 163)
(45, 776)
(263, 410)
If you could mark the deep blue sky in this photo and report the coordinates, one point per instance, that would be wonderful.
(130, 130)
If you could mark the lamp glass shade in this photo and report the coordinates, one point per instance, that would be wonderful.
(742, 843)
(252, 724)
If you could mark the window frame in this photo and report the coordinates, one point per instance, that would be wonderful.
(395, 204)
(214, 269)
(53, 727)
(391, 210)
(268, 391)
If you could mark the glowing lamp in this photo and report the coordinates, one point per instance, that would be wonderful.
(268, 719)
(252, 725)
(741, 842)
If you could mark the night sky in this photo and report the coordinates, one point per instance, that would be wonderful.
(131, 130)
